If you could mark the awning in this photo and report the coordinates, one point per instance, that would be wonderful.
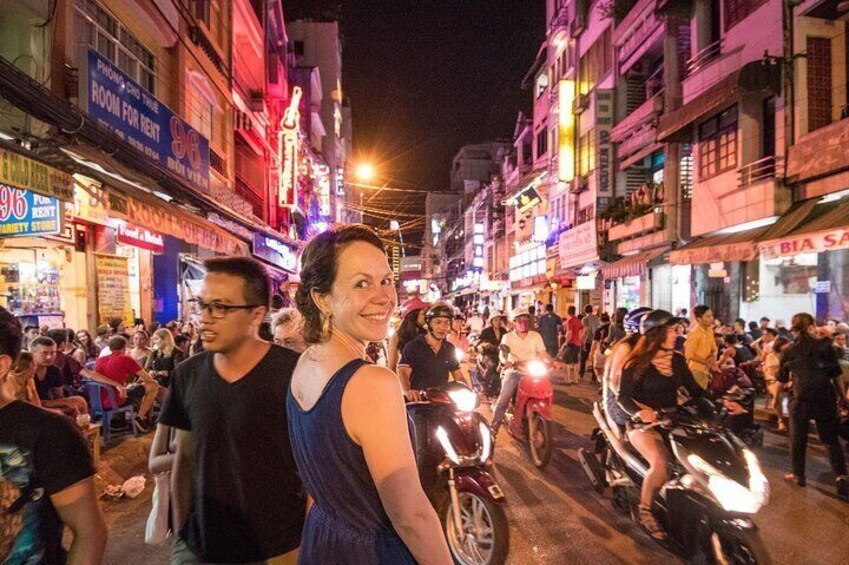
(674, 125)
(823, 227)
(738, 246)
(633, 265)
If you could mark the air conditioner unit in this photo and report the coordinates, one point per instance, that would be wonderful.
(256, 101)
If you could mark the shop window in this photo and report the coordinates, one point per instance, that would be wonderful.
(104, 33)
(542, 143)
(541, 84)
(738, 10)
(718, 144)
(210, 14)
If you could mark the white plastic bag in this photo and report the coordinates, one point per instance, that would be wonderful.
(156, 531)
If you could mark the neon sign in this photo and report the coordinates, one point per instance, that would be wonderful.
(288, 147)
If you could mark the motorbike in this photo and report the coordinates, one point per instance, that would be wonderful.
(454, 449)
(716, 484)
(528, 416)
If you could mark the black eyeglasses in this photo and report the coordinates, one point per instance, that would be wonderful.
(217, 309)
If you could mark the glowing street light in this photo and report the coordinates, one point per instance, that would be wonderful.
(365, 172)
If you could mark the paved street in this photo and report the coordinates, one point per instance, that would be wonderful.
(556, 517)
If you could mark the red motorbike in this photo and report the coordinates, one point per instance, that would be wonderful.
(529, 415)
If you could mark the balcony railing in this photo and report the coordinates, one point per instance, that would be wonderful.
(703, 57)
(560, 19)
(755, 171)
(654, 84)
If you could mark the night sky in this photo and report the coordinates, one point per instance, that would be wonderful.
(427, 76)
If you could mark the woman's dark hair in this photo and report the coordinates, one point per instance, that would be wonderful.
(11, 334)
(604, 318)
(619, 316)
(319, 267)
(779, 344)
(801, 322)
(90, 348)
(647, 347)
(409, 328)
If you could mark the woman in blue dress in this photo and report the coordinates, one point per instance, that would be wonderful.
(347, 419)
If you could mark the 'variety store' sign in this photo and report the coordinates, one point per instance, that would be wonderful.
(23, 212)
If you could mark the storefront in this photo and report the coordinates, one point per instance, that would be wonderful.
(41, 273)
(282, 259)
(646, 279)
(579, 261)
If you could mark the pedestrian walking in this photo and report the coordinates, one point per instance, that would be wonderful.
(46, 476)
(550, 327)
(347, 417)
(236, 495)
(811, 363)
(590, 325)
(570, 353)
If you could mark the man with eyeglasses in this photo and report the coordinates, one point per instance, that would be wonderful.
(235, 492)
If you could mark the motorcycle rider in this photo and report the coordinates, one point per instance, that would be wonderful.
(612, 376)
(429, 360)
(525, 344)
(493, 333)
(652, 375)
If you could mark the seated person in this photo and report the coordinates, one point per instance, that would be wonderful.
(288, 329)
(48, 380)
(119, 367)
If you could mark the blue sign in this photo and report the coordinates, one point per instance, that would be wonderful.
(143, 121)
(23, 212)
(275, 252)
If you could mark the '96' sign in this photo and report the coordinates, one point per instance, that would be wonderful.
(23, 212)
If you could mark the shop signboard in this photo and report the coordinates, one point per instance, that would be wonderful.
(28, 174)
(142, 238)
(25, 213)
(275, 252)
(113, 288)
(579, 245)
(816, 242)
(136, 116)
(604, 146)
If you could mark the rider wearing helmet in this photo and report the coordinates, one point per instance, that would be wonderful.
(429, 360)
(525, 344)
(652, 375)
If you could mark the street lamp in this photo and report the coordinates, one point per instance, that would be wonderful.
(365, 172)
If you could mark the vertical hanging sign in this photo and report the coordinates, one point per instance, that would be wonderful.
(287, 194)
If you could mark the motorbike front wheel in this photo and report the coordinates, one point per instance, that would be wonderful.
(485, 539)
(734, 548)
(540, 440)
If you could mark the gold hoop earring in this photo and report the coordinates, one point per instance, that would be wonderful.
(326, 326)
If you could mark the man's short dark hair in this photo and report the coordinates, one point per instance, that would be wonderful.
(180, 340)
(117, 343)
(42, 341)
(11, 334)
(605, 318)
(60, 336)
(257, 289)
(753, 325)
(700, 311)
(30, 328)
(549, 308)
(765, 319)
(740, 321)
(588, 309)
(276, 302)
(571, 310)
(771, 331)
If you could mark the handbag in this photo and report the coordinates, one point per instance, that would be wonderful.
(157, 530)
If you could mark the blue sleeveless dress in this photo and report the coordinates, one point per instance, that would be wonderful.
(347, 523)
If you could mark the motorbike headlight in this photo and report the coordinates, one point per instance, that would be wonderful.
(464, 399)
(486, 442)
(758, 482)
(442, 436)
(730, 494)
(459, 354)
(536, 368)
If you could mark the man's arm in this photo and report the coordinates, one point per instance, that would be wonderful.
(77, 507)
(182, 486)
(461, 376)
(97, 377)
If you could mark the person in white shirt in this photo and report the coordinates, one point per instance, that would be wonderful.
(525, 344)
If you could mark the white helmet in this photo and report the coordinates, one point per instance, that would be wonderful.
(519, 312)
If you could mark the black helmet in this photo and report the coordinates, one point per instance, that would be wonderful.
(439, 310)
(634, 318)
(658, 319)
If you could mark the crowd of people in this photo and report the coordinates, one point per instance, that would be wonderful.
(335, 476)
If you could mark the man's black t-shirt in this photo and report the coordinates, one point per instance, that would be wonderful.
(52, 379)
(249, 503)
(429, 369)
(41, 454)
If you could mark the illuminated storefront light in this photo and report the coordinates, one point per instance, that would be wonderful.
(566, 131)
